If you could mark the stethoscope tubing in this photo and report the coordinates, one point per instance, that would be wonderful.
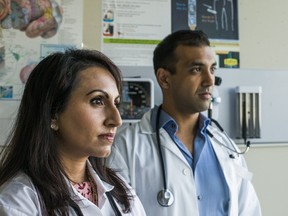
(164, 197)
(159, 147)
(233, 149)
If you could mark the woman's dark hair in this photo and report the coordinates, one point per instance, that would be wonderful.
(31, 146)
(164, 53)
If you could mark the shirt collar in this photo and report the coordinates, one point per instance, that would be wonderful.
(102, 187)
(164, 119)
(204, 121)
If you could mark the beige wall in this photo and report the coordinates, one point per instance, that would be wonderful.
(263, 45)
(263, 34)
(269, 164)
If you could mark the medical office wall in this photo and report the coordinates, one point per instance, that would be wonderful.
(263, 43)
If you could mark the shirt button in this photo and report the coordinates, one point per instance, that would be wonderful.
(186, 172)
(199, 197)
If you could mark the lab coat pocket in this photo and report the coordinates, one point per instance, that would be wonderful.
(243, 172)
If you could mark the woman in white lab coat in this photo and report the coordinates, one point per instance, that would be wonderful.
(54, 161)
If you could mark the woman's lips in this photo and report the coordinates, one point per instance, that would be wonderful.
(108, 136)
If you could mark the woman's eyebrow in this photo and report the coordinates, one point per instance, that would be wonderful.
(104, 92)
(99, 90)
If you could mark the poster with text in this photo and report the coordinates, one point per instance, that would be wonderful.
(218, 19)
(132, 28)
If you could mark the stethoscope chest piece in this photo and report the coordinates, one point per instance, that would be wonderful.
(165, 198)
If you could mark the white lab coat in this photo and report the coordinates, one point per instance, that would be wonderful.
(135, 154)
(19, 197)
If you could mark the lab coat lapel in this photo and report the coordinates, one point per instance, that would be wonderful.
(168, 143)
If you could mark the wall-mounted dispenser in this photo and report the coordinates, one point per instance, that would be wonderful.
(248, 112)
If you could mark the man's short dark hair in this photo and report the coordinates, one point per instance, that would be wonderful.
(164, 56)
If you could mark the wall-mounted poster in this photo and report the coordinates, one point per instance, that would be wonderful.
(218, 19)
(30, 30)
(132, 28)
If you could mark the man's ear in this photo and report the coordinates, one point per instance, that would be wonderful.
(163, 78)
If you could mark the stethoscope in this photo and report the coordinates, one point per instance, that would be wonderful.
(232, 150)
(113, 204)
(165, 197)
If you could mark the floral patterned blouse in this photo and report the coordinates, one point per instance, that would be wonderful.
(85, 189)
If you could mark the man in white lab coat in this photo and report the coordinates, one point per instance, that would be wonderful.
(174, 147)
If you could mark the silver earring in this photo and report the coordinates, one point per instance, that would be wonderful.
(53, 125)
